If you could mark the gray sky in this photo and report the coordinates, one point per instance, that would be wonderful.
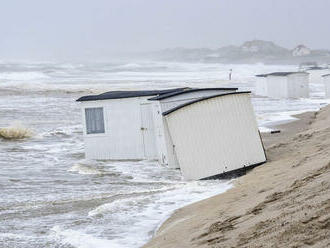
(82, 28)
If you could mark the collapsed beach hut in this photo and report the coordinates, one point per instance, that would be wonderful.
(204, 132)
(326, 81)
(283, 85)
(316, 73)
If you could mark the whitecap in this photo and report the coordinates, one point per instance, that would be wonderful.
(79, 239)
(86, 169)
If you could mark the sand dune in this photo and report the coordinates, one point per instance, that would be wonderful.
(283, 203)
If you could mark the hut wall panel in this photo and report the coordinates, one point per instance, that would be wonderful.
(326, 81)
(161, 140)
(277, 87)
(261, 86)
(123, 136)
(215, 135)
(298, 85)
(315, 76)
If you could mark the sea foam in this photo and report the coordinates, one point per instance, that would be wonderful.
(14, 132)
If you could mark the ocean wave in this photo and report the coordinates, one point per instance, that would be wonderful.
(64, 131)
(86, 170)
(133, 199)
(79, 239)
(118, 205)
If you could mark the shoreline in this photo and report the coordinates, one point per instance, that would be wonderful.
(249, 214)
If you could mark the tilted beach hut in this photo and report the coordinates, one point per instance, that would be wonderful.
(204, 132)
(326, 81)
(284, 84)
(214, 135)
(316, 73)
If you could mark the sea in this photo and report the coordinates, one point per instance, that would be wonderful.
(51, 196)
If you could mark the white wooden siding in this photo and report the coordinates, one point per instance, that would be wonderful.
(277, 87)
(326, 81)
(148, 131)
(261, 86)
(215, 136)
(315, 76)
(292, 86)
(298, 85)
(123, 135)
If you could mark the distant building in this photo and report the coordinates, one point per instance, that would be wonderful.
(283, 85)
(301, 50)
(204, 132)
(326, 81)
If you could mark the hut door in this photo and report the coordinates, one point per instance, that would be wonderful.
(148, 131)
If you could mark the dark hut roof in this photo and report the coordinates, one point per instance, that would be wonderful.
(204, 98)
(170, 94)
(316, 68)
(280, 74)
(127, 94)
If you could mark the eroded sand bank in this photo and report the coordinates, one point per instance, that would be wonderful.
(283, 203)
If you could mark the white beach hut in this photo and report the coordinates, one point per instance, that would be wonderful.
(326, 81)
(214, 135)
(283, 84)
(316, 73)
(204, 132)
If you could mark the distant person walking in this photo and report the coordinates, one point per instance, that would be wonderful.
(230, 72)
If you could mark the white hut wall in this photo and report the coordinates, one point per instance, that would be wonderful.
(215, 135)
(170, 149)
(326, 81)
(277, 86)
(160, 135)
(261, 86)
(315, 76)
(298, 85)
(122, 138)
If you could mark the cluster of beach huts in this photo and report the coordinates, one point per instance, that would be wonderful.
(293, 84)
(204, 132)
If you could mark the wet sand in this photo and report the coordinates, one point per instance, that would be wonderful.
(283, 203)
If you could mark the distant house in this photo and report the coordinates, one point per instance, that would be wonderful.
(326, 81)
(316, 73)
(283, 85)
(204, 132)
(301, 50)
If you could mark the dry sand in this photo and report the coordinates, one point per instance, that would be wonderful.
(283, 203)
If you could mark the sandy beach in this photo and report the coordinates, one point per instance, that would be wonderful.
(283, 203)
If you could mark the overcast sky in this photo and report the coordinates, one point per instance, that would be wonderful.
(69, 28)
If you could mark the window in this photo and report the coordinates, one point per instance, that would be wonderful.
(94, 120)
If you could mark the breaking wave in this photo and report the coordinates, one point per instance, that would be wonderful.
(81, 240)
(14, 132)
(87, 169)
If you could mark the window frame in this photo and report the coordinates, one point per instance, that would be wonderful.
(87, 130)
